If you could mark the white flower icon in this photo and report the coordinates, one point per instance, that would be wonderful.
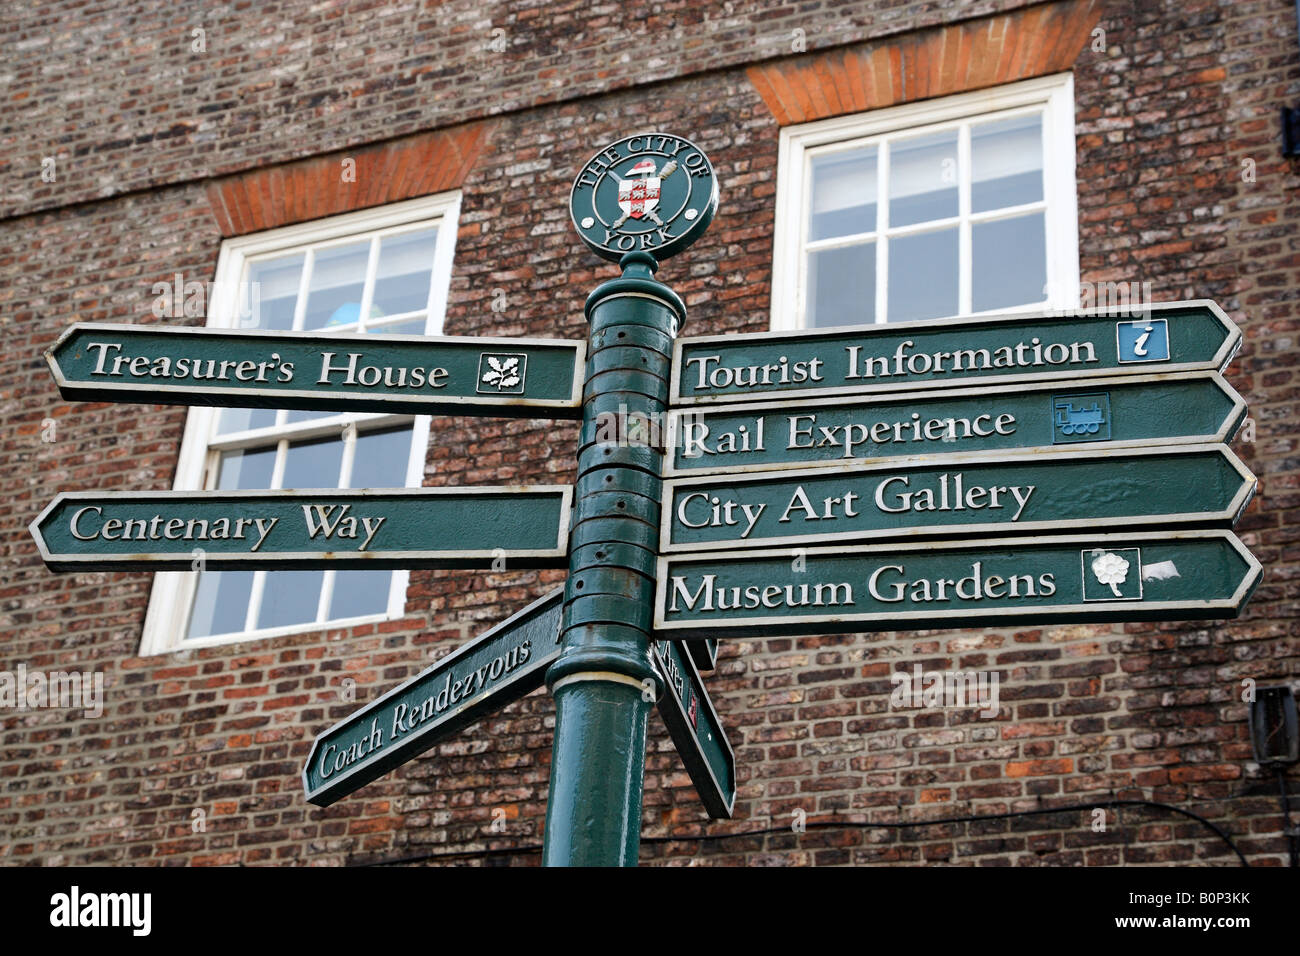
(1110, 569)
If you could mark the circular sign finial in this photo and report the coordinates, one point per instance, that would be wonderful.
(653, 192)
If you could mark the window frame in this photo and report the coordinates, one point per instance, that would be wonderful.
(1054, 95)
(173, 593)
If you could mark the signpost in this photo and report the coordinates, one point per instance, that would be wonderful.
(494, 669)
(635, 202)
(1164, 409)
(231, 530)
(1054, 491)
(907, 356)
(696, 729)
(404, 527)
(1155, 576)
(370, 372)
(1016, 441)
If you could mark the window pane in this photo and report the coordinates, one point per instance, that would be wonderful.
(290, 597)
(273, 287)
(220, 603)
(380, 461)
(410, 327)
(267, 302)
(337, 279)
(1009, 261)
(923, 276)
(302, 415)
(242, 419)
(1006, 163)
(923, 179)
(843, 194)
(405, 270)
(360, 592)
(246, 469)
(313, 464)
(842, 286)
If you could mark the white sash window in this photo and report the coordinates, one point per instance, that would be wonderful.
(949, 207)
(381, 270)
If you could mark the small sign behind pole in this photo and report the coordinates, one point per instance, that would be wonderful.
(696, 729)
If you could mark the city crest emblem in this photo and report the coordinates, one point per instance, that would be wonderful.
(654, 193)
(639, 195)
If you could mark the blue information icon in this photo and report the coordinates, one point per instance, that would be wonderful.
(1143, 341)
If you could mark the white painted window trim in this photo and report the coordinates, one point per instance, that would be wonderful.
(1054, 94)
(173, 591)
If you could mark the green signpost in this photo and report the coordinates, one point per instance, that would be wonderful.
(1066, 468)
(498, 667)
(696, 730)
(231, 530)
(371, 372)
(1052, 491)
(1019, 347)
(1188, 407)
(1156, 576)
(635, 202)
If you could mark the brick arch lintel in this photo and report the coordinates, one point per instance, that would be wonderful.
(327, 185)
(1031, 41)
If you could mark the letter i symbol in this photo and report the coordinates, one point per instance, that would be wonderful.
(1140, 346)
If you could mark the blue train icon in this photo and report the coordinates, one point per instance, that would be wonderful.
(1084, 420)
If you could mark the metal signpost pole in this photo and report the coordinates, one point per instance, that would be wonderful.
(628, 207)
(604, 682)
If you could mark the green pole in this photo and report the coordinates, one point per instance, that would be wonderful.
(604, 683)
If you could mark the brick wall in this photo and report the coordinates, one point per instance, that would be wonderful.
(1181, 184)
(132, 103)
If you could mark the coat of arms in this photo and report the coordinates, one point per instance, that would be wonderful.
(653, 194)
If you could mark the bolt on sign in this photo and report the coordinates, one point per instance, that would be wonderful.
(1186, 408)
(1052, 491)
(1019, 347)
(233, 530)
(418, 374)
(1155, 576)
